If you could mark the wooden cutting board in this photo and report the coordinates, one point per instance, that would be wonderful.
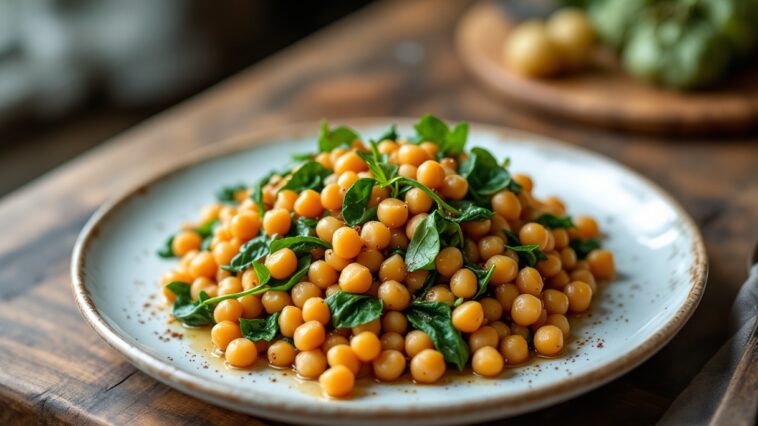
(602, 95)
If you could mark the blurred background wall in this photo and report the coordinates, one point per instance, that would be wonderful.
(75, 72)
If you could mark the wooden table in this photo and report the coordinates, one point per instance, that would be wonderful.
(393, 58)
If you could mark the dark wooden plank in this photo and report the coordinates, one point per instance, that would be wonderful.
(394, 58)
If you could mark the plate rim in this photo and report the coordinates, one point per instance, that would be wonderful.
(489, 407)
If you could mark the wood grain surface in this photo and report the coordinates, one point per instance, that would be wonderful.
(603, 94)
(392, 58)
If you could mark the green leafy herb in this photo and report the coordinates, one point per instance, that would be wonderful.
(351, 310)
(426, 242)
(305, 226)
(257, 194)
(302, 156)
(483, 277)
(310, 175)
(262, 272)
(226, 194)
(190, 313)
(511, 237)
(390, 134)
(485, 176)
(584, 247)
(355, 209)
(335, 138)
(450, 142)
(300, 245)
(434, 319)
(529, 254)
(166, 251)
(470, 211)
(554, 222)
(250, 251)
(429, 281)
(458, 302)
(378, 165)
(260, 329)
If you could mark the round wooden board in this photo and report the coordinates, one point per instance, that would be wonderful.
(602, 95)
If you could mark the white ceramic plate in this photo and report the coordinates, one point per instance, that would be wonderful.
(659, 252)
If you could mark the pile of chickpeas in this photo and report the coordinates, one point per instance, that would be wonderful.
(525, 310)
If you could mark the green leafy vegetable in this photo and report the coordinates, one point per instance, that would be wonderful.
(305, 226)
(310, 175)
(511, 237)
(262, 272)
(529, 254)
(483, 277)
(190, 313)
(378, 165)
(434, 319)
(470, 211)
(390, 134)
(554, 222)
(351, 310)
(250, 251)
(205, 231)
(300, 245)
(355, 208)
(257, 194)
(429, 281)
(584, 247)
(260, 329)
(426, 242)
(166, 251)
(450, 142)
(303, 156)
(335, 138)
(485, 176)
(226, 194)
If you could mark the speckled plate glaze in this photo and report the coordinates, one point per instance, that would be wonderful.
(659, 252)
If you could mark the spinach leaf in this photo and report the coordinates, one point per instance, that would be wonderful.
(434, 319)
(355, 208)
(383, 171)
(260, 329)
(300, 245)
(485, 176)
(450, 142)
(554, 222)
(262, 272)
(302, 156)
(424, 246)
(584, 247)
(166, 251)
(528, 254)
(470, 211)
(511, 237)
(339, 136)
(310, 175)
(186, 311)
(429, 281)
(390, 134)
(351, 310)
(250, 251)
(226, 194)
(305, 227)
(257, 194)
(483, 277)
(303, 263)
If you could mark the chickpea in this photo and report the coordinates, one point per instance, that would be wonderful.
(507, 205)
(413, 224)
(463, 283)
(470, 251)
(551, 266)
(559, 281)
(224, 332)
(366, 346)
(485, 336)
(560, 238)
(556, 302)
(378, 194)
(548, 340)
(440, 293)
(541, 320)
(347, 179)
(349, 162)
(229, 285)
(477, 229)
(534, 233)
(387, 147)
(285, 199)
(431, 174)
(417, 341)
(291, 318)
(448, 261)
(506, 269)
(491, 246)
(375, 235)
(568, 258)
(210, 212)
(501, 328)
(327, 226)
(392, 340)
(389, 365)
(579, 295)
(185, 242)
(584, 276)
(223, 253)
(228, 310)
(281, 263)
(412, 154)
(418, 201)
(398, 239)
(277, 221)
(526, 309)
(493, 310)
(332, 196)
(316, 309)
(375, 326)
(337, 381)
(323, 159)
(201, 284)
(203, 265)
(514, 349)
(601, 264)
(428, 366)
(393, 268)
(529, 281)
(346, 242)
(321, 274)
(309, 335)
(454, 187)
(244, 225)
(415, 280)
(251, 306)
(468, 317)
(395, 296)
(561, 322)
(487, 361)
(303, 291)
(241, 353)
(506, 294)
(408, 171)
(343, 355)
(355, 278)
(525, 181)
(310, 364)
(392, 212)
(275, 301)
(335, 262)
(333, 339)
(281, 354)
(249, 279)
(586, 227)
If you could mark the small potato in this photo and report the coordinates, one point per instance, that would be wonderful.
(529, 51)
(572, 34)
